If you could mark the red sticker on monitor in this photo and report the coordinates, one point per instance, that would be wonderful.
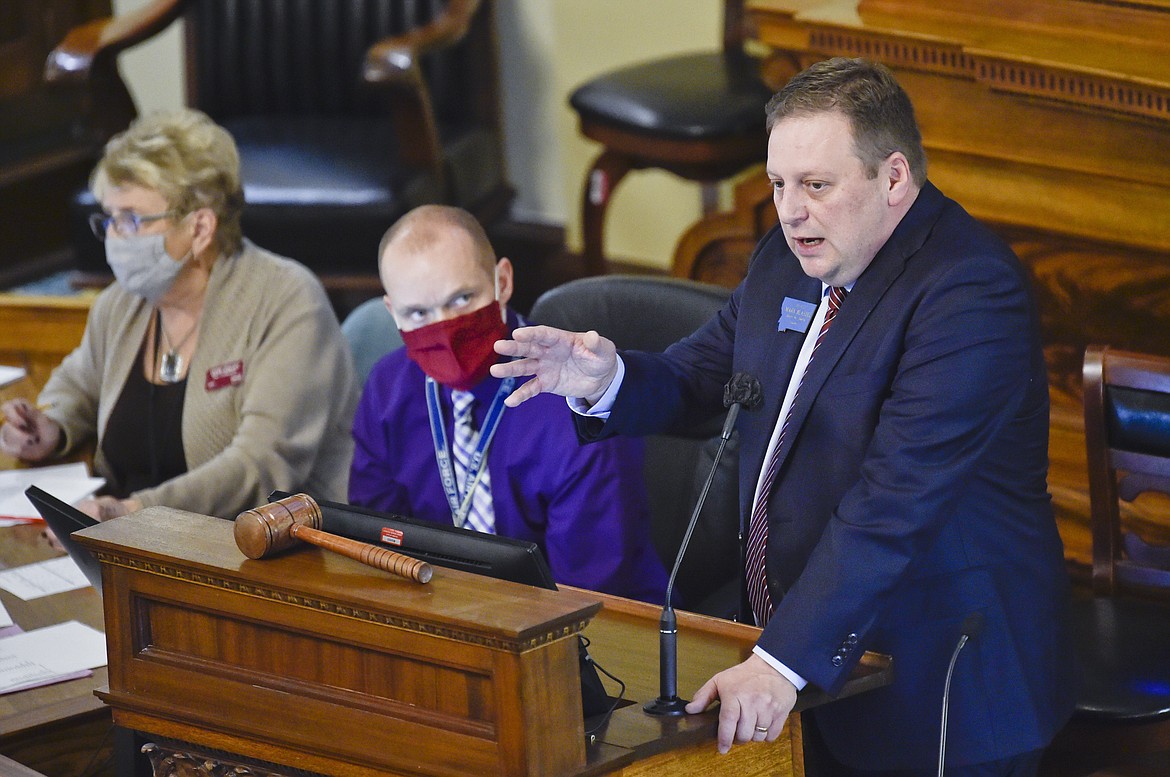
(224, 375)
(391, 536)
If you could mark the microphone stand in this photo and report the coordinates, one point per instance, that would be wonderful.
(970, 629)
(668, 703)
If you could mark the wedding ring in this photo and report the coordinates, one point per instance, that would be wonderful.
(762, 729)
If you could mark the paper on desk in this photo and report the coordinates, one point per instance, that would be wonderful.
(10, 374)
(5, 619)
(68, 482)
(46, 655)
(33, 581)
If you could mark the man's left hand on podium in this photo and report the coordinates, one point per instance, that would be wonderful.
(755, 701)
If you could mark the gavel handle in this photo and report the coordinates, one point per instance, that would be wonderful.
(382, 558)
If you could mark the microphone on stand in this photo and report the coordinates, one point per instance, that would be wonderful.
(971, 628)
(742, 391)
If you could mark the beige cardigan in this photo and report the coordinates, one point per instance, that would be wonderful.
(286, 425)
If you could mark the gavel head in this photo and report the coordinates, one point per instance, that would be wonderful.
(267, 529)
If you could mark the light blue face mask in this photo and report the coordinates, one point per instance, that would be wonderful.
(142, 265)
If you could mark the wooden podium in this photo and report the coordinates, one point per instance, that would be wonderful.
(313, 663)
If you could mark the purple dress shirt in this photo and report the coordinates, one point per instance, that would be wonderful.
(584, 505)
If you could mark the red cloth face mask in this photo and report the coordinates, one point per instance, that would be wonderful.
(458, 352)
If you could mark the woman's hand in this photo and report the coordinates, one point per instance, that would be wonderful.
(27, 433)
(103, 508)
(100, 508)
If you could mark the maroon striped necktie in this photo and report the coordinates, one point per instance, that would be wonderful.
(757, 571)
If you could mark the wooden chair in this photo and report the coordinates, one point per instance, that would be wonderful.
(1122, 632)
(45, 153)
(648, 314)
(346, 114)
(699, 116)
(1127, 432)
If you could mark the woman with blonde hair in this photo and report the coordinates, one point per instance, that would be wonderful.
(211, 371)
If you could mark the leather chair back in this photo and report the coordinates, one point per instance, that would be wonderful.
(648, 314)
(371, 333)
(295, 58)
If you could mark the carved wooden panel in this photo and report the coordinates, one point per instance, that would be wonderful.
(174, 760)
(297, 659)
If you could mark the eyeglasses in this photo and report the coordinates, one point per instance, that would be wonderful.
(124, 222)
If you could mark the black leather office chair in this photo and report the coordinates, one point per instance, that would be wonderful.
(346, 114)
(648, 314)
(1122, 632)
(698, 115)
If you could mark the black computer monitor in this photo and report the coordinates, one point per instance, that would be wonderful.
(64, 519)
(440, 544)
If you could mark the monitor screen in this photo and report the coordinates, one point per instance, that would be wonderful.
(439, 544)
(64, 519)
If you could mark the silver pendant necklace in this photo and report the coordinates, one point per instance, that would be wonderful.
(170, 368)
(170, 363)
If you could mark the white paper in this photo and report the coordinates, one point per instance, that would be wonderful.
(10, 374)
(33, 581)
(68, 482)
(5, 618)
(37, 656)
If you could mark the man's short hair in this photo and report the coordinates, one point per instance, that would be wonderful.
(425, 225)
(188, 159)
(876, 105)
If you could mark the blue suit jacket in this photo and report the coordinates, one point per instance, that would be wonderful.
(912, 489)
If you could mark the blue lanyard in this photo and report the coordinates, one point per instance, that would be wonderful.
(461, 504)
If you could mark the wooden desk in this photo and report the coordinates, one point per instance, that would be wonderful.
(37, 333)
(464, 676)
(62, 730)
(624, 640)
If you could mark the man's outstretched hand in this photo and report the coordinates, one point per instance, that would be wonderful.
(572, 364)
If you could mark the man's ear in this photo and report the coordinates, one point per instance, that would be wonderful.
(899, 181)
(505, 280)
(390, 310)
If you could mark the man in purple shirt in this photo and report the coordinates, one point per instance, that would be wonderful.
(434, 440)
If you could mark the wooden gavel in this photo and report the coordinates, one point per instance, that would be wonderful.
(278, 525)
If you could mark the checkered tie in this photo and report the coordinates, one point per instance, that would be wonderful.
(757, 571)
(480, 516)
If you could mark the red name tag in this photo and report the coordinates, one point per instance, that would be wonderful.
(224, 375)
(391, 536)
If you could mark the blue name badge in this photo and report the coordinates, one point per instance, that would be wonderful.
(795, 315)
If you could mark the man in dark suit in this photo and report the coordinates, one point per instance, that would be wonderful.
(893, 484)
